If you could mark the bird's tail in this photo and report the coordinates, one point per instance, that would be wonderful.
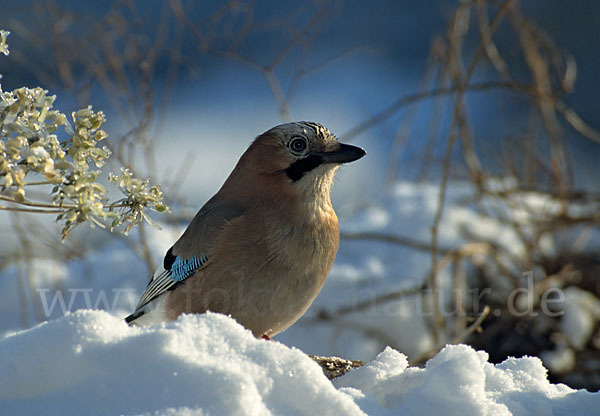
(131, 318)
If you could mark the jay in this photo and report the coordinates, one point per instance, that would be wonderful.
(261, 248)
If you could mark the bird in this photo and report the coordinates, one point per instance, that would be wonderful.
(261, 248)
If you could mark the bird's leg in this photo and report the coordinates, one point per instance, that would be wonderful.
(268, 338)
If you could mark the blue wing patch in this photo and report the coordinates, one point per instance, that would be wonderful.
(175, 270)
(182, 269)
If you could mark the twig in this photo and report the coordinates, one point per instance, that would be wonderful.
(576, 122)
(334, 367)
(37, 183)
(367, 304)
(475, 326)
(389, 238)
(32, 210)
(390, 110)
(37, 204)
(147, 254)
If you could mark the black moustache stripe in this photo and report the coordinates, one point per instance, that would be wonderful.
(297, 169)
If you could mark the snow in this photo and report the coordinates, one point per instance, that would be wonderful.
(581, 311)
(461, 381)
(90, 362)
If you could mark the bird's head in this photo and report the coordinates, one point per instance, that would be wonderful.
(297, 158)
(302, 152)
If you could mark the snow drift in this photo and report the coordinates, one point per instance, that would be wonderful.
(90, 362)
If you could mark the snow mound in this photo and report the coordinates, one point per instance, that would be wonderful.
(90, 362)
(460, 381)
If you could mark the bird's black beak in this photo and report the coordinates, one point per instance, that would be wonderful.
(345, 153)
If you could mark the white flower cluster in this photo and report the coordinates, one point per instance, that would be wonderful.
(31, 152)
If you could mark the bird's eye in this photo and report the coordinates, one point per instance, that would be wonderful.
(298, 145)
